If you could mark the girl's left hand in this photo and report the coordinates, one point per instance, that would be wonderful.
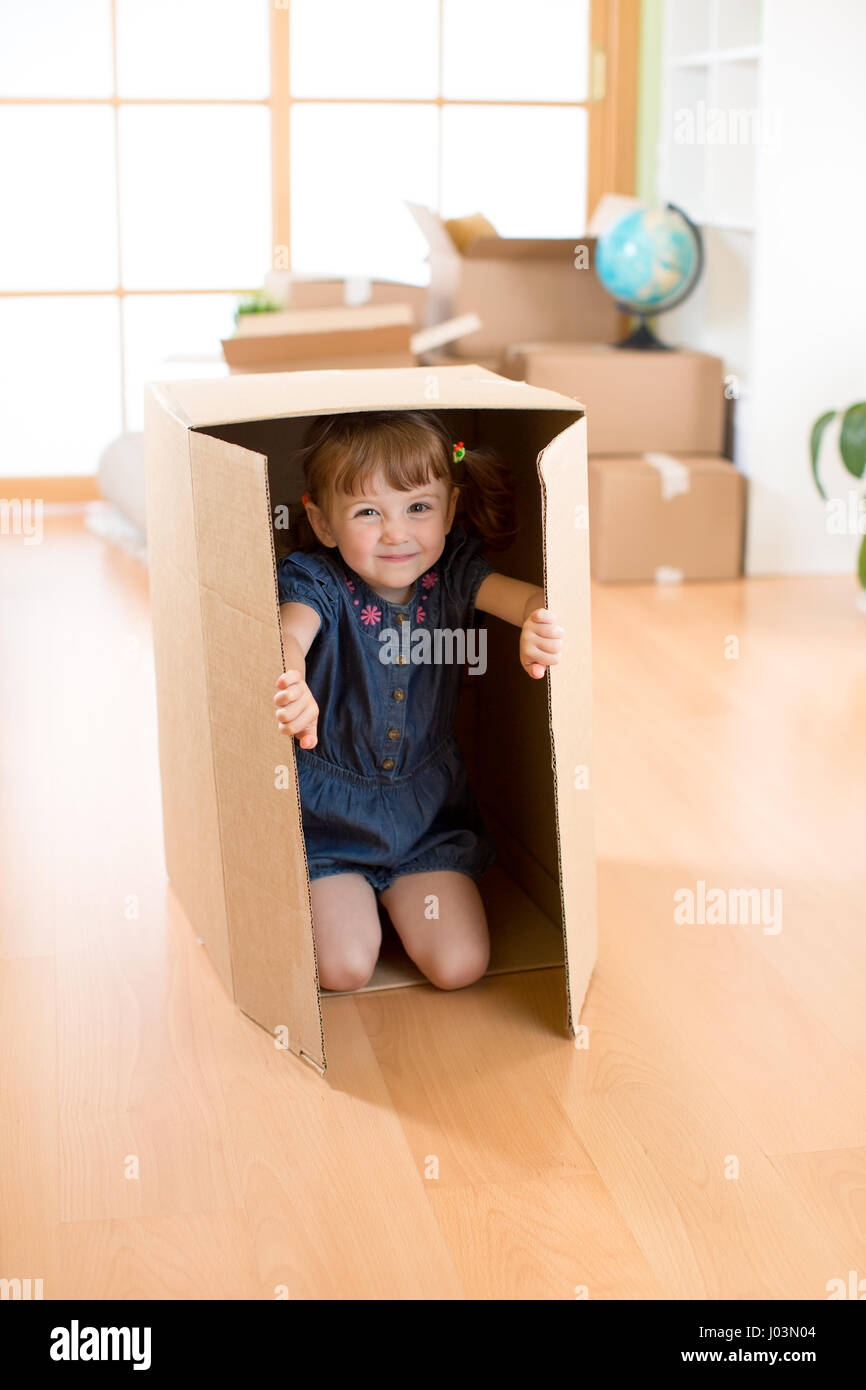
(540, 642)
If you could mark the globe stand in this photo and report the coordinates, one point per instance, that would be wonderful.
(644, 339)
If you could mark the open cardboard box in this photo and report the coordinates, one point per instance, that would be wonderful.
(522, 288)
(218, 472)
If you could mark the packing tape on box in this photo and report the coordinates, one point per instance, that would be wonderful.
(674, 475)
(668, 574)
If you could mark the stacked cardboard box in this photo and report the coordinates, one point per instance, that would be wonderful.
(297, 291)
(664, 504)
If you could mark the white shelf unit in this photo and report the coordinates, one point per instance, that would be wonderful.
(711, 70)
(711, 110)
(786, 318)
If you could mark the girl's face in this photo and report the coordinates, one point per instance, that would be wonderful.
(389, 537)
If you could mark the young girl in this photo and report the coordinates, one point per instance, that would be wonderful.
(399, 514)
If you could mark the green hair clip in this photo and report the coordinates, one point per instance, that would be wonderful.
(458, 451)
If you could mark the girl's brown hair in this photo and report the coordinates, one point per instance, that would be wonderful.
(344, 453)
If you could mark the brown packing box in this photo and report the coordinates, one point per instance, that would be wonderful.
(218, 474)
(673, 401)
(521, 288)
(308, 293)
(337, 339)
(393, 292)
(341, 337)
(664, 519)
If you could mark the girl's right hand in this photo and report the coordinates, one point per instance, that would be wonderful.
(297, 711)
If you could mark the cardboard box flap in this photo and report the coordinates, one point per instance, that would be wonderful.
(269, 909)
(275, 395)
(566, 579)
(189, 809)
(435, 232)
(484, 245)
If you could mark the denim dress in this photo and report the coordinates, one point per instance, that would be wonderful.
(386, 790)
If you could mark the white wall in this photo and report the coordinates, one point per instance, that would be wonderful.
(809, 278)
(785, 305)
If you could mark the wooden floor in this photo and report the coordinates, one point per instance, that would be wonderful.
(710, 1142)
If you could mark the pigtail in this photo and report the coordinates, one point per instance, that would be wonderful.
(488, 498)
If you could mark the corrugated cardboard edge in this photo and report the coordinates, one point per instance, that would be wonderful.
(571, 734)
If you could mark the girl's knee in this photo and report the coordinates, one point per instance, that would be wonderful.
(348, 971)
(455, 969)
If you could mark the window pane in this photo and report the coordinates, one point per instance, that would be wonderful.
(352, 167)
(192, 48)
(523, 167)
(158, 327)
(59, 383)
(58, 230)
(364, 48)
(55, 48)
(508, 50)
(195, 186)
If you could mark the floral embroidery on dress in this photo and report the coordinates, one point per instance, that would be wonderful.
(351, 584)
(371, 614)
(429, 579)
(421, 614)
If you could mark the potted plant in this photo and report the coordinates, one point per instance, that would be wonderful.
(258, 303)
(852, 449)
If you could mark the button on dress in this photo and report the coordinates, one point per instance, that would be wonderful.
(386, 790)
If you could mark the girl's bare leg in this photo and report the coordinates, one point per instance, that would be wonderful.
(347, 930)
(439, 917)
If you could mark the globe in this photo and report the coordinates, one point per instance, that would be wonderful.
(649, 261)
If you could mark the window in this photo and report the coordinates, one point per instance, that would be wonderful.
(135, 161)
(159, 155)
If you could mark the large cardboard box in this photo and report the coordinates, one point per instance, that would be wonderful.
(521, 288)
(672, 401)
(218, 480)
(665, 519)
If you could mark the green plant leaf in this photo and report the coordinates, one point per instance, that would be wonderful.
(815, 445)
(852, 439)
(861, 564)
